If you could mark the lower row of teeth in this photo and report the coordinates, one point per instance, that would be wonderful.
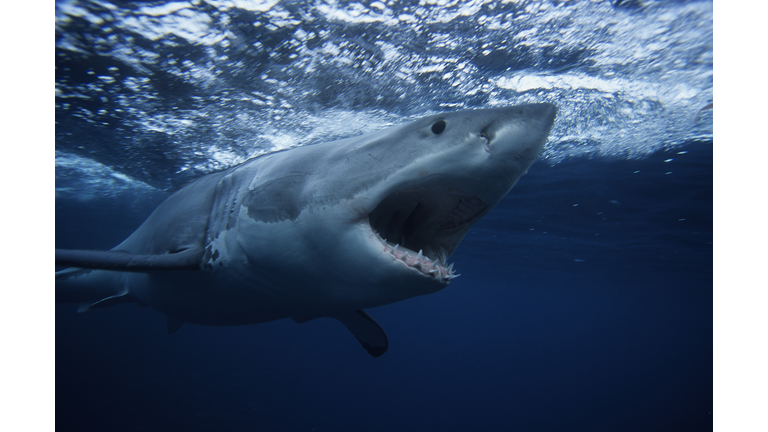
(421, 262)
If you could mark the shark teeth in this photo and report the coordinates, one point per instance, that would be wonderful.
(420, 262)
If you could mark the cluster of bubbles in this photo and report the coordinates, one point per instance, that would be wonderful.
(164, 91)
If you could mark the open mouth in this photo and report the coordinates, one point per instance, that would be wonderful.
(421, 227)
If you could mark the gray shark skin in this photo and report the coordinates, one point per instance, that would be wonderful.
(323, 230)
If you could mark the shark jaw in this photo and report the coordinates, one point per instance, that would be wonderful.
(421, 227)
(424, 265)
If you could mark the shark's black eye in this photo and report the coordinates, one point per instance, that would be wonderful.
(438, 127)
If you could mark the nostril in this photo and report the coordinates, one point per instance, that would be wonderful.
(487, 139)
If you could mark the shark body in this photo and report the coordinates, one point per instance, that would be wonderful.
(323, 230)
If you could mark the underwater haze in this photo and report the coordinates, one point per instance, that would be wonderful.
(585, 301)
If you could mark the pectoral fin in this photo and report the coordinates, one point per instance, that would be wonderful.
(367, 331)
(173, 325)
(121, 297)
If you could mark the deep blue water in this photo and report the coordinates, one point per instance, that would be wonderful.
(596, 316)
(585, 301)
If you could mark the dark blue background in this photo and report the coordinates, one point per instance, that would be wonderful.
(585, 303)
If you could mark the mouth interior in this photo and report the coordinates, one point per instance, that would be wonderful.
(421, 227)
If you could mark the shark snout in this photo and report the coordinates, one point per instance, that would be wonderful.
(542, 113)
(545, 112)
(521, 130)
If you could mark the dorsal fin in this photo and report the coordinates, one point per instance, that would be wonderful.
(187, 259)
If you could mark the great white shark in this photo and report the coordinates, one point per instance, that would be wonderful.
(322, 230)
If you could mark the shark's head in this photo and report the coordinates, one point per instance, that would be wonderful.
(438, 175)
(373, 219)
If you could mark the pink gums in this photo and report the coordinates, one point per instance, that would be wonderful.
(420, 262)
